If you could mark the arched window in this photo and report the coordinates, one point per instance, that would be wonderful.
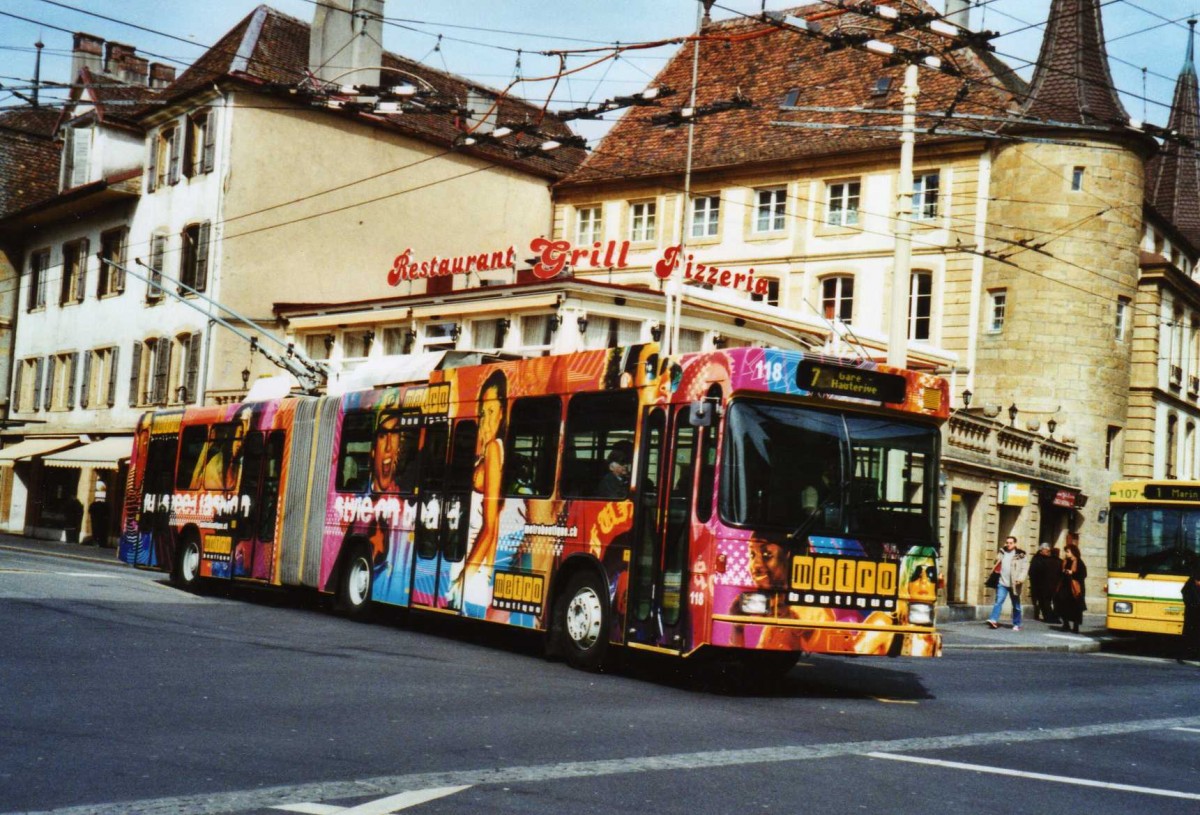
(837, 298)
(1172, 453)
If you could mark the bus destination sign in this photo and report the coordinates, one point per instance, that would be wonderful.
(819, 377)
(1172, 492)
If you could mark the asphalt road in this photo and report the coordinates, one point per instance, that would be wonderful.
(119, 694)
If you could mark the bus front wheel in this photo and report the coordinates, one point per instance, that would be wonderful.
(185, 572)
(354, 583)
(581, 620)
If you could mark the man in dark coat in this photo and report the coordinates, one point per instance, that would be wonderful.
(1045, 569)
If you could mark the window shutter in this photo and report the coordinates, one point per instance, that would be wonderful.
(81, 281)
(202, 258)
(210, 143)
(37, 383)
(80, 143)
(158, 250)
(135, 375)
(112, 376)
(122, 241)
(72, 365)
(85, 384)
(189, 146)
(162, 370)
(173, 144)
(152, 164)
(35, 279)
(193, 366)
(48, 383)
(16, 396)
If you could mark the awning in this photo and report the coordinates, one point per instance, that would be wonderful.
(103, 454)
(34, 447)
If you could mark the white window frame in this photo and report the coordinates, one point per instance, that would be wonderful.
(997, 310)
(834, 298)
(915, 298)
(927, 192)
(705, 219)
(589, 225)
(770, 210)
(848, 196)
(643, 216)
(1122, 322)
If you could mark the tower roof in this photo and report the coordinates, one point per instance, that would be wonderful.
(1173, 175)
(1071, 82)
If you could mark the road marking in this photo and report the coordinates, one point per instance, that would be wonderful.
(61, 574)
(1058, 779)
(266, 797)
(382, 806)
(1132, 657)
(888, 701)
(1187, 729)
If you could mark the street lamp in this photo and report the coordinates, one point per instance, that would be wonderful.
(966, 399)
(1050, 425)
(1012, 414)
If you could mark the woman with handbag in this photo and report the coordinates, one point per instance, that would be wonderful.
(1069, 600)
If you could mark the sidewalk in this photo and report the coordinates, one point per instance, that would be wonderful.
(962, 635)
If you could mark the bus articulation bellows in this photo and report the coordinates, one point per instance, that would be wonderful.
(755, 500)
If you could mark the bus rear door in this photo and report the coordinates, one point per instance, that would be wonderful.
(663, 510)
(444, 503)
(258, 503)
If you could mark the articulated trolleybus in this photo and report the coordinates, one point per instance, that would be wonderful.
(1153, 546)
(763, 502)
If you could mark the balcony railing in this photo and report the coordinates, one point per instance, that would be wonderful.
(975, 438)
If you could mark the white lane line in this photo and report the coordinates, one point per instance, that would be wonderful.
(1131, 657)
(236, 801)
(395, 803)
(1187, 729)
(382, 806)
(1058, 779)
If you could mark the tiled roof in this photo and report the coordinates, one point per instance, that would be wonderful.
(29, 157)
(271, 48)
(1173, 175)
(116, 102)
(1071, 82)
(765, 63)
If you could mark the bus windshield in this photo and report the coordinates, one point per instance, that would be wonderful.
(1155, 540)
(823, 472)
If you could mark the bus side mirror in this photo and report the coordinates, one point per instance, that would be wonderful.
(701, 413)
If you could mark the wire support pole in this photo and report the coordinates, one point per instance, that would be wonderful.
(897, 355)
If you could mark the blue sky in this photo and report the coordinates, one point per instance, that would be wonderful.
(1141, 33)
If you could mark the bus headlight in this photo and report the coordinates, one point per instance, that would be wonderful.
(920, 614)
(754, 603)
(1122, 607)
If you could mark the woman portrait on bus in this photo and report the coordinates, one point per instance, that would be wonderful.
(223, 457)
(1069, 600)
(484, 531)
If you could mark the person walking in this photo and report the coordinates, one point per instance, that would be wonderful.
(1014, 568)
(1069, 599)
(1044, 571)
(1191, 616)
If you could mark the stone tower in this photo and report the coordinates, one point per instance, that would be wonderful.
(1065, 220)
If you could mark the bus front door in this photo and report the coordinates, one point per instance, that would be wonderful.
(258, 503)
(444, 502)
(156, 539)
(662, 522)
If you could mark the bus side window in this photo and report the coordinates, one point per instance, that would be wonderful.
(354, 457)
(458, 490)
(596, 422)
(433, 459)
(272, 476)
(708, 464)
(189, 474)
(532, 449)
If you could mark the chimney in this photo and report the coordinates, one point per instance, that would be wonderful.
(161, 75)
(86, 53)
(116, 55)
(959, 12)
(344, 42)
(137, 71)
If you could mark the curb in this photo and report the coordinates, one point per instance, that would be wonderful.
(1088, 646)
(26, 550)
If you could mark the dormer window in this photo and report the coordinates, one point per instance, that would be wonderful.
(77, 147)
(882, 85)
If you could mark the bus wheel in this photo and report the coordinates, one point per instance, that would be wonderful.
(354, 583)
(581, 622)
(185, 573)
